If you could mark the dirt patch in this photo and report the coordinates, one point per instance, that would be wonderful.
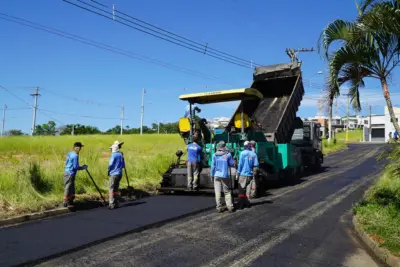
(377, 238)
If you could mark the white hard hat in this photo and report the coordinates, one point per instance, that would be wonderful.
(246, 143)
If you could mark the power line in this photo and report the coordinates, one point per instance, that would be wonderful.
(196, 48)
(184, 38)
(82, 116)
(108, 47)
(80, 100)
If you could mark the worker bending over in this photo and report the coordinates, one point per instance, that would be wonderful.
(193, 164)
(70, 170)
(115, 165)
(220, 175)
(247, 162)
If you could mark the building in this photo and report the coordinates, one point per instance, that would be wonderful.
(380, 126)
(354, 122)
(337, 123)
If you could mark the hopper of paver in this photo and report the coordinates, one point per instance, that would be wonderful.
(282, 89)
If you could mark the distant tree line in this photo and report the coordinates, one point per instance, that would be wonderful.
(50, 128)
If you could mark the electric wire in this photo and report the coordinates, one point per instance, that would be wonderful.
(108, 47)
(184, 38)
(196, 49)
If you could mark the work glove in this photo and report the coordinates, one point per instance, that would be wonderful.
(84, 167)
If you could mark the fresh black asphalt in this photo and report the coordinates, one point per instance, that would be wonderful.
(305, 224)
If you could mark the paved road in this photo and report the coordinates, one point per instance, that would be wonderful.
(303, 225)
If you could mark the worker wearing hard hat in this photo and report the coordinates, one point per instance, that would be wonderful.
(247, 162)
(115, 166)
(193, 164)
(71, 168)
(219, 172)
(254, 182)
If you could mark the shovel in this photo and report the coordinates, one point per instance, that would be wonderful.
(105, 203)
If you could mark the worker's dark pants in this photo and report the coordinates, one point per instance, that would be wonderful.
(244, 190)
(69, 188)
(114, 193)
(193, 172)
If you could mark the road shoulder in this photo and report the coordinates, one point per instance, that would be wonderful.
(380, 252)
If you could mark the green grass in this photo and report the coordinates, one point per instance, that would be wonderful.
(379, 212)
(32, 167)
(339, 143)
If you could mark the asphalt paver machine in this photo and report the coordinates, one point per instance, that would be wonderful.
(267, 115)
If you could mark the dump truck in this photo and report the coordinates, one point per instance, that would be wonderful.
(285, 146)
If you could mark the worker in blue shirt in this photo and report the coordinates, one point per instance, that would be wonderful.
(247, 162)
(193, 164)
(219, 172)
(396, 135)
(70, 170)
(115, 166)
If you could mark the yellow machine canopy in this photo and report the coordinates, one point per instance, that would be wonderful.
(222, 96)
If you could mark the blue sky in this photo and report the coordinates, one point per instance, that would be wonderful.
(253, 30)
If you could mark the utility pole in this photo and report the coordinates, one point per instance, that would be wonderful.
(73, 129)
(142, 113)
(4, 119)
(292, 53)
(347, 111)
(370, 123)
(122, 118)
(34, 110)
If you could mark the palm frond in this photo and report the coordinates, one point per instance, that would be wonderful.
(338, 30)
(383, 16)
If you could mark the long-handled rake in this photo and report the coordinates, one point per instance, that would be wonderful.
(98, 190)
(129, 190)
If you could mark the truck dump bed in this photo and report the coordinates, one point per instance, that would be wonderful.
(282, 89)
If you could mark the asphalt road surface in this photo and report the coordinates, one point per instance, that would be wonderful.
(307, 224)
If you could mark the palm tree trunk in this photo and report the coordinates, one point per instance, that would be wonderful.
(386, 94)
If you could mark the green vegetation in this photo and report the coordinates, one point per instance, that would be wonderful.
(339, 143)
(379, 212)
(32, 167)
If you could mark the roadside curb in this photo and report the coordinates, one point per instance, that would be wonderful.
(382, 253)
(32, 217)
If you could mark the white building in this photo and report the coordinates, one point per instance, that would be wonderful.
(381, 126)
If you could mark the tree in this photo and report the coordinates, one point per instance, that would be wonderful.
(15, 132)
(80, 129)
(365, 52)
(48, 128)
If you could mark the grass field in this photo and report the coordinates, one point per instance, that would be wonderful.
(379, 212)
(340, 142)
(32, 168)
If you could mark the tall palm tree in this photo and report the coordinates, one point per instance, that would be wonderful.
(365, 52)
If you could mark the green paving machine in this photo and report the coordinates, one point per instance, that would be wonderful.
(285, 145)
